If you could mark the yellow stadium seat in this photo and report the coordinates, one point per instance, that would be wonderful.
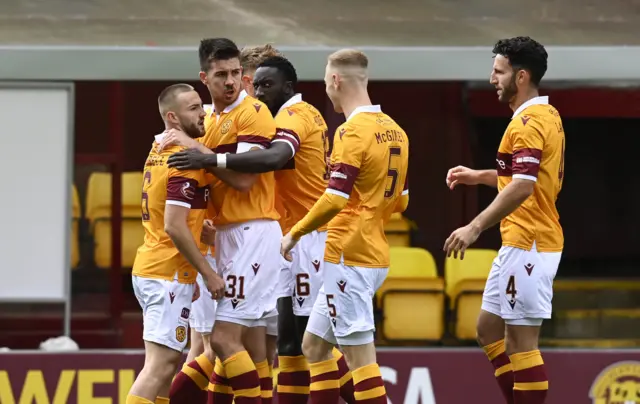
(465, 280)
(397, 231)
(99, 214)
(412, 283)
(75, 217)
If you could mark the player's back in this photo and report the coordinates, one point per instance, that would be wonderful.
(533, 148)
(379, 150)
(303, 180)
(245, 124)
(158, 257)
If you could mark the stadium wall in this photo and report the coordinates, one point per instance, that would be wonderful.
(412, 376)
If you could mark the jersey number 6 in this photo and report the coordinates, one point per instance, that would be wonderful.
(392, 172)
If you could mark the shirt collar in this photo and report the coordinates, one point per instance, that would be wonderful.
(243, 94)
(159, 137)
(542, 100)
(293, 100)
(365, 108)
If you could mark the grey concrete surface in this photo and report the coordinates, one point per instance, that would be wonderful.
(318, 22)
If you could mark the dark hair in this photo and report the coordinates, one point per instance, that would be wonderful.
(524, 53)
(284, 66)
(216, 49)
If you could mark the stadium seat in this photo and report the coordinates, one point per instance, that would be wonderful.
(465, 280)
(75, 218)
(398, 230)
(412, 297)
(99, 214)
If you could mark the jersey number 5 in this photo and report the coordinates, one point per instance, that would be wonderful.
(146, 182)
(392, 172)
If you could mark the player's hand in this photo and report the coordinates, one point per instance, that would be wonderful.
(286, 245)
(215, 285)
(196, 293)
(176, 137)
(461, 175)
(208, 235)
(190, 159)
(460, 240)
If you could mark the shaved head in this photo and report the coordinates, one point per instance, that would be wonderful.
(349, 63)
(167, 100)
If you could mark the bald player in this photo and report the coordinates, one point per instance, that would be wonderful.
(367, 183)
(164, 272)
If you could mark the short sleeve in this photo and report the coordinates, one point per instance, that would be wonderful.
(290, 125)
(528, 142)
(182, 187)
(346, 159)
(256, 127)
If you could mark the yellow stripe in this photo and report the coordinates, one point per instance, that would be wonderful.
(494, 350)
(196, 376)
(263, 369)
(526, 360)
(336, 353)
(325, 385)
(293, 389)
(369, 394)
(503, 369)
(219, 369)
(219, 388)
(365, 373)
(266, 393)
(344, 379)
(531, 386)
(252, 392)
(205, 364)
(320, 368)
(290, 364)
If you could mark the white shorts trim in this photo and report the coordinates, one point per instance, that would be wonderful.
(248, 259)
(519, 288)
(343, 311)
(203, 310)
(166, 307)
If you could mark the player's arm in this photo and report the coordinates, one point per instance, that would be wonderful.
(403, 201)
(176, 214)
(253, 161)
(345, 162)
(528, 143)
(462, 175)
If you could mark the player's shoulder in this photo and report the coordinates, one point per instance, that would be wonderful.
(253, 107)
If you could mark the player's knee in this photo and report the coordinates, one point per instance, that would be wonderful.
(316, 349)
(225, 342)
(490, 328)
(289, 346)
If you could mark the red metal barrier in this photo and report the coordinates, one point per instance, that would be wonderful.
(413, 376)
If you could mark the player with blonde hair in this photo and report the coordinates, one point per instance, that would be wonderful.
(367, 183)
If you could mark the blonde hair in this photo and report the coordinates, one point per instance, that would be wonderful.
(350, 58)
(252, 56)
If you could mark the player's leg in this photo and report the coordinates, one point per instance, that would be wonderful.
(528, 286)
(491, 331)
(266, 383)
(255, 341)
(165, 336)
(350, 291)
(190, 385)
(294, 377)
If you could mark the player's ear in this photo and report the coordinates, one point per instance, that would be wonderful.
(203, 78)
(172, 117)
(522, 76)
(335, 79)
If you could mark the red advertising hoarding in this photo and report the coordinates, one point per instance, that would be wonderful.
(413, 376)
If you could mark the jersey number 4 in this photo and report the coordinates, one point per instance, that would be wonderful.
(392, 172)
(146, 182)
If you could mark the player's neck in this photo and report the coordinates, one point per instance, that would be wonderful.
(354, 101)
(220, 106)
(523, 97)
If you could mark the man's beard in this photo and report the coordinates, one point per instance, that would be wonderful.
(510, 91)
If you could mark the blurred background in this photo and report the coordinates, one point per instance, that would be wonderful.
(79, 81)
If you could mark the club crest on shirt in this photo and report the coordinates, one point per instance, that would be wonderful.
(181, 333)
(225, 127)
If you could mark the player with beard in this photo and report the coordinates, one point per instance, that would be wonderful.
(246, 225)
(164, 272)
(529, 175)
(299, 152)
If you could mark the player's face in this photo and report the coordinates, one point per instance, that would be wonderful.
(271, 88)
(247, 82)
(503, 78)
(331, 81)
(190, 114)
(223, 80)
